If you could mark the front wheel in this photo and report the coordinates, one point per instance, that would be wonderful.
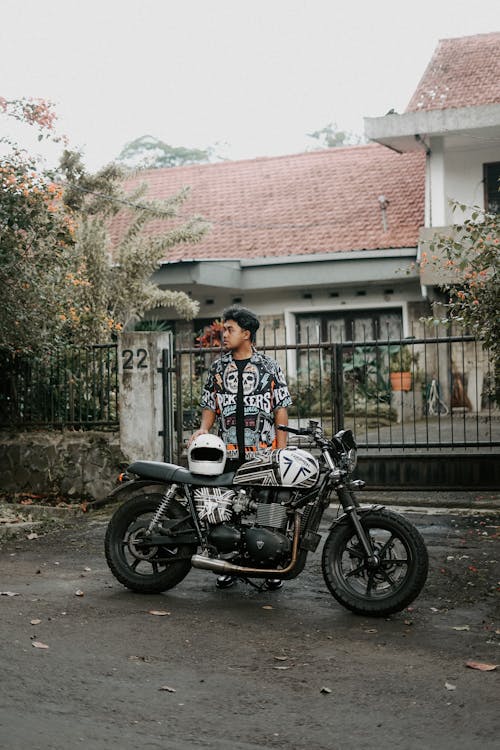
(133, 561)
(389, 585)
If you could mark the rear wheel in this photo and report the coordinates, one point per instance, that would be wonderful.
(391, 584)
(131, 558)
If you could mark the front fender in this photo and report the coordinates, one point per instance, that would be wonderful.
(360, 510)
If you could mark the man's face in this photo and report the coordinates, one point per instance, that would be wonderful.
(234, 336)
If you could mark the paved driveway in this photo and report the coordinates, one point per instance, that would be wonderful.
(238, 669)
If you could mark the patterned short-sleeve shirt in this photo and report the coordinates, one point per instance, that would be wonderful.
(264, 391)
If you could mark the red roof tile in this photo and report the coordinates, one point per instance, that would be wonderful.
(315, 202)
(463, 72)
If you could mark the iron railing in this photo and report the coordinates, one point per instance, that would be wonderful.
(73, 387)
(447, 400)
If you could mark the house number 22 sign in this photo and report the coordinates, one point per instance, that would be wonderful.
(135, 360)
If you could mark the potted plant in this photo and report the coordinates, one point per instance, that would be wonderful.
(401, 361)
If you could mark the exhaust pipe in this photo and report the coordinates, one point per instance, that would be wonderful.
(226, 568)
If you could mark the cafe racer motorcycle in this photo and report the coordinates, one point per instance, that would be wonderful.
(262, 521)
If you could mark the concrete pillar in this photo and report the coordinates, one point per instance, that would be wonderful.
(475, 378)
(142, 396)
(437, 203)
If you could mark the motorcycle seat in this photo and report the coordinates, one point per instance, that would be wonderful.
(164, 472)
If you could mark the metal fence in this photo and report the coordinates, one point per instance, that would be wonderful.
(413, 394)
(74, 387)
(405, 394)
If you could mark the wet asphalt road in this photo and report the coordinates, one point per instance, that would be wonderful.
(242, 669)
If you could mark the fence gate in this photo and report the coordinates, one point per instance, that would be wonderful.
(438, 428)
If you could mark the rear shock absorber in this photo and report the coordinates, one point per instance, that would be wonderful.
(167, 497)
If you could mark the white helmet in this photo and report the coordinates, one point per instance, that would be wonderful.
(207, 455)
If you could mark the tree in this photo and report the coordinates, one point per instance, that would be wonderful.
(472, 253)
(59, 281)
(114, 288)
(36, 239)
(331, 137)
(148, 152)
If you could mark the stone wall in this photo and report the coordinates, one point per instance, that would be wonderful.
(77, 465)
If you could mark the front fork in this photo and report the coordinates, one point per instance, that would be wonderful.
(350, 507)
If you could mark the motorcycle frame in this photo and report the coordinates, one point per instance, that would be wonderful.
(305, 537)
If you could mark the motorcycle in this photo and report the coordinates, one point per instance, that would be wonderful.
(261, 522)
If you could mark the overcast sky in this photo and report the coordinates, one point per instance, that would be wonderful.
(254, 77)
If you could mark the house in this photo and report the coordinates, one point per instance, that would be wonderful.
(454, 118)
(326, 243)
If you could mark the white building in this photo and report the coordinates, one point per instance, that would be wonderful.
(326, 244)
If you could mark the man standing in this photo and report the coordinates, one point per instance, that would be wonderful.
(246, 393)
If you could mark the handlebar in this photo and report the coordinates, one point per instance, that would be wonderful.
(294, 430)
(342, 442)
(314, 429)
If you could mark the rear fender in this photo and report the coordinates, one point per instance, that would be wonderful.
(123, 491)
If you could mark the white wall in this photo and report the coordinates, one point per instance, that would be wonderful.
(456, 175)
(279, 301)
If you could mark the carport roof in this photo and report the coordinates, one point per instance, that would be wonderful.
(317, 202)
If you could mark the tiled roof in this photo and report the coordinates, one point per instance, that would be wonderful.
(463, 72)
(315, 202)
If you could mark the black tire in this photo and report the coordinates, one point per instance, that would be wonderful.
(395, 583)
(145, 570)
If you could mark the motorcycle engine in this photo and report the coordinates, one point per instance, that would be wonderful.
(262, 542)
(214, 504)
(265, 545)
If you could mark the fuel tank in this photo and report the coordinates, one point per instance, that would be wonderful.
(282, 467)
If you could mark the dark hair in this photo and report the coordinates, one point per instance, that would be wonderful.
(246, 319)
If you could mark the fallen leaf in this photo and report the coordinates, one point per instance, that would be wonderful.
(461, 627)
(79, 592)
(39, 644)
(35, 622)
(168, 689)
(449, 686)
(480, 666)
(325, 690)
(9, 593)
(158, 612)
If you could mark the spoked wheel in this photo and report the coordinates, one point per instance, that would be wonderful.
(388, 585)
(142, 567)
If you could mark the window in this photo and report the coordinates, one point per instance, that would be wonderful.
(349, 325)
(492, 187)
(338, 326)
